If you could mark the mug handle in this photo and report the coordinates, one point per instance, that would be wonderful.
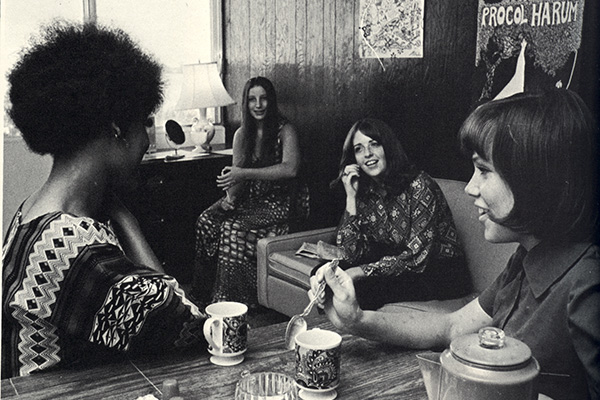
(208, 329)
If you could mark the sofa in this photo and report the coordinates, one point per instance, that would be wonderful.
(283, 277)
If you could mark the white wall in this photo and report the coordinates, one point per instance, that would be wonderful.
(24, 172)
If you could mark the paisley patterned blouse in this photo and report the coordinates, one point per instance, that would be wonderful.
(396, 233)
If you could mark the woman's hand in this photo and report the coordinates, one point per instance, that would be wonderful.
(229, 177)
(228, 203)
(340, 303)
(350, 179)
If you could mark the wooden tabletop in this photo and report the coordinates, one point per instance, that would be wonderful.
(369, 370)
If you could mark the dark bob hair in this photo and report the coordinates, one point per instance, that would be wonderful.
(544, 146)
(399, 172)
(69, 87)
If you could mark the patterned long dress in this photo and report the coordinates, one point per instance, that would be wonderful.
(226, 240)
(71, 296)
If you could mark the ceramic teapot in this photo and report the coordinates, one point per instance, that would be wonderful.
(486, 365)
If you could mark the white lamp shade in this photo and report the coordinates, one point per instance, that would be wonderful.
(202, 88)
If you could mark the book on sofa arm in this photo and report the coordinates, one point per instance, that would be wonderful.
(320, 250)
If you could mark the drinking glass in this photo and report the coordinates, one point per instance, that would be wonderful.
(266, 386)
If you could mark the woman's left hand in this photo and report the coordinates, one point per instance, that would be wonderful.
(229, 177)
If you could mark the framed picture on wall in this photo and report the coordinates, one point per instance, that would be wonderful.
(391, 29)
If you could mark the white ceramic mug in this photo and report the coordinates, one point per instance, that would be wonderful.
(318, 363)
(226, 332)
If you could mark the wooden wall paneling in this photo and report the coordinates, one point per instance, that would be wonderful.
(301, 91)
(300, 42)
(286, 72)
(237, 57)
(329, 45)
(258, 38)
(312, 89)
(365, 70)
(301, 97)
(325, 152)
(447, 70)
(271, 38)
(321, 157)
(344, 63)
(310, 51)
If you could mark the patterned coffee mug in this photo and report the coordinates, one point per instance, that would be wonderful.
(226, 332)
(318, 361)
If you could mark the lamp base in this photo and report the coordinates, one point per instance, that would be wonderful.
(172, 157)
(202, 149)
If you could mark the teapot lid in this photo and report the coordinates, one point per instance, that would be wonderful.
(490, 348)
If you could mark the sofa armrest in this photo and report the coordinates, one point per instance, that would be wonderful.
(290, 241)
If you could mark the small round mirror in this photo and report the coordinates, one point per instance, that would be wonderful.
(175, 136)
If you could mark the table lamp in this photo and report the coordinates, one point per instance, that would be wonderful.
(202, 88)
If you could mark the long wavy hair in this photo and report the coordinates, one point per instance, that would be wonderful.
(544, 146)
(399, 172)
(273, 119)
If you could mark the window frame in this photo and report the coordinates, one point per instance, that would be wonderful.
(89, 14)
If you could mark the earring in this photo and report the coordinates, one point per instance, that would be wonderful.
(118, 135)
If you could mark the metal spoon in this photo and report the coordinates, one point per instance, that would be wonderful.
(298, 324)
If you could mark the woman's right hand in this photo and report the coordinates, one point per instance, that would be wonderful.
(350, 179)
(340, 303)
(228, 204)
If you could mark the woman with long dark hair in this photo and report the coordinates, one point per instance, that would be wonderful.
(263, 194)
(397, 232)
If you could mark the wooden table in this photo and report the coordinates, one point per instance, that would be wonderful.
(369, 370)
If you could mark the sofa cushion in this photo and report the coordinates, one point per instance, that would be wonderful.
(283, 277)
(289, 267)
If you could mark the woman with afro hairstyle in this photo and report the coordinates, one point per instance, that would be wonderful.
(80, 282)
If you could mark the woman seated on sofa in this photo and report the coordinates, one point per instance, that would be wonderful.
(535, 183)
(397, 234)
(262, 197)
(80, 283)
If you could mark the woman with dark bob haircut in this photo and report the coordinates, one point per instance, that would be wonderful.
(536, 184)
(80, 282)
(397, 235)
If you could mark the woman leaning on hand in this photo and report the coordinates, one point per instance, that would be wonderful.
(397, 233)
(80, 283)
(536, 184)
